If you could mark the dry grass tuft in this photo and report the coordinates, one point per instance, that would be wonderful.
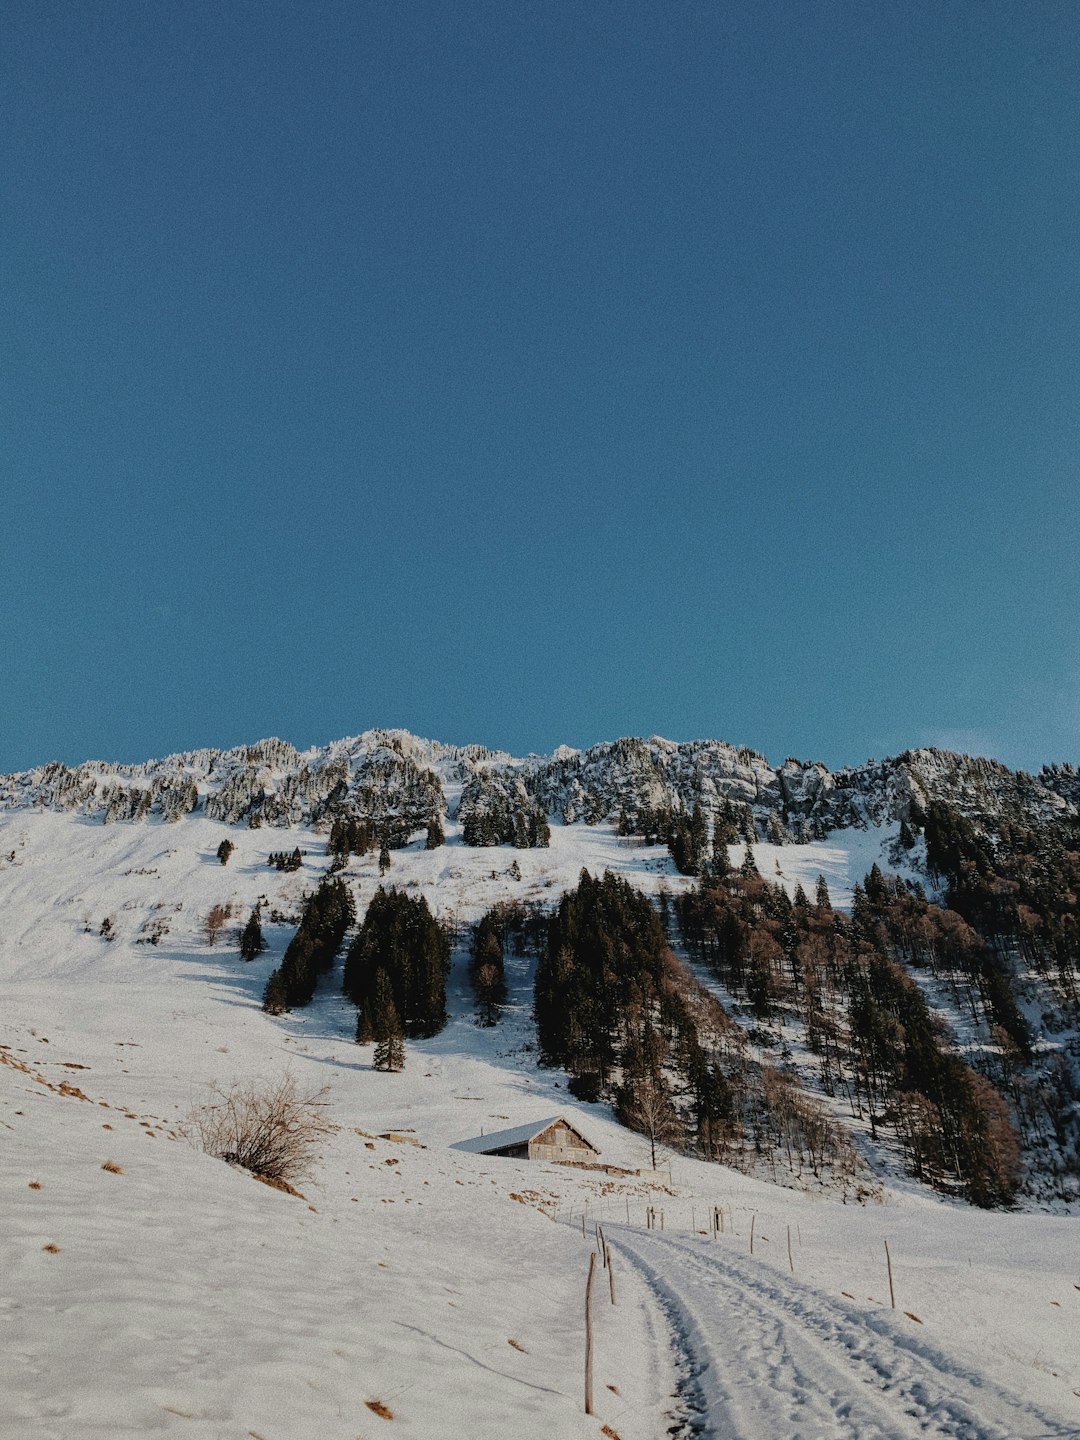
(912, 1316)
(609, 1432)
(35, 1184)
(112, 1167)
(517, 1345)
(275, 1184)
(51, 1249)
(378, 1408)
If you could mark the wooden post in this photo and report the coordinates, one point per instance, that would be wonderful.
(753, 1219)
(588, 1334)
(583, 1225)
(693, 1221)
(611, 1279)
(661, 1219)
(628, 1209)
(790, 1261)
(888, 1262)
(721, 1222)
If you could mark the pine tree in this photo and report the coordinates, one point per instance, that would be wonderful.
(384, 858)
(401, 938)
(539, 829)
(251, 938)
(435, 834)
(385, 1024)
(224, 850)
(275, 996)
(823, 900)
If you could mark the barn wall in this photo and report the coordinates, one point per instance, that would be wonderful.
(559, 1142)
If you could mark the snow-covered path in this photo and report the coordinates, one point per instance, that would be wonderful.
(763, 1356)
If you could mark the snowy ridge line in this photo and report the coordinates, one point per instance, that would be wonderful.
(770, 1356)
(384, 773)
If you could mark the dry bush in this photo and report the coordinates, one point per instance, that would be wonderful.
(271, 1128)
(112, 1167)
(377, 1407)
(214, 921)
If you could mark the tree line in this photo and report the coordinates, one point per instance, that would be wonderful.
(615, 1007)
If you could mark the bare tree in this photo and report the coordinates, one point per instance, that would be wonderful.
(271, 1128)
(214, 921)
(645, 1105)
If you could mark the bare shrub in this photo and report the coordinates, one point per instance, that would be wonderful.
(112, 1167)
(271, 1128)
(214, 921)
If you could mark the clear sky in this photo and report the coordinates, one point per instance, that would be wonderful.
(540, 371)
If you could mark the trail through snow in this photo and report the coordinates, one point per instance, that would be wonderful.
(763, 1356)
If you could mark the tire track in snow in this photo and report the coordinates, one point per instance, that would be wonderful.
(766, 1357)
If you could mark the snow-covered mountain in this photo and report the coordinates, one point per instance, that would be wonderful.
(149, 1288)
(393, 773)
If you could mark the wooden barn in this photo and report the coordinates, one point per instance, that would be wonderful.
(551, 1139)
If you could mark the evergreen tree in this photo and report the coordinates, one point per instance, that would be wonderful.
(251, 938)
(327, 915)
(401, 937)
(385, 1025)
(539, 829)
(275, 996)
(435, 834)
(823, 900)
(486, 967)
(384, 858)
(224, 850)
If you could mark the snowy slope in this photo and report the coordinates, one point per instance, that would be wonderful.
(184, 1298)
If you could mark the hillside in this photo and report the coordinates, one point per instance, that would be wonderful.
(184, 1297)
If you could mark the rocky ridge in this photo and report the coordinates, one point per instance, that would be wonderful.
(393, 775)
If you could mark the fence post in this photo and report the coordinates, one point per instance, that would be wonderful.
(753, 1219)
(888, 1262)
(588, 1334)
(790, 1261)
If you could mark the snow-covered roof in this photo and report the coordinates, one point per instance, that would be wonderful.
(519, 1135)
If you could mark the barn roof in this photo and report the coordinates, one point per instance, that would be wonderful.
(519, 1135)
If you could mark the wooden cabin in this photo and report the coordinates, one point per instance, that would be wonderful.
(552, 1139)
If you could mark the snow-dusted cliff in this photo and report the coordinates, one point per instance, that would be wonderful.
(390, 773)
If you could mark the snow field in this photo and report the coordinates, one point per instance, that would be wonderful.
(187, 1299)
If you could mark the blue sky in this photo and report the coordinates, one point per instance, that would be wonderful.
(540, 372)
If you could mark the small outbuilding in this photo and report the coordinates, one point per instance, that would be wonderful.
(551, 1139)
